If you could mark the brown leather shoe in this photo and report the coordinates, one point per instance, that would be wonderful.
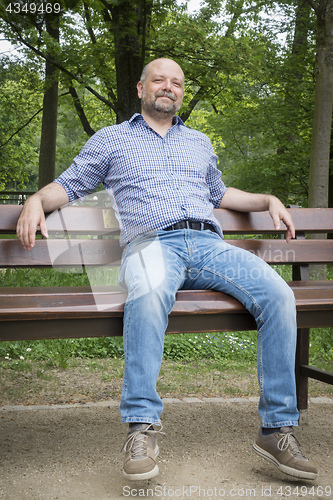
(141, 451)
(283, 450)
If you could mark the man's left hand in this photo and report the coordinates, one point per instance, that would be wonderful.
(279, 213)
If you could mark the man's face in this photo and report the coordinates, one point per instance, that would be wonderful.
(163, 90)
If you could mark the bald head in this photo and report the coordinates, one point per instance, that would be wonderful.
(158, 64)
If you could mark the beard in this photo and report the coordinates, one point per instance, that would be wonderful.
(153, 106)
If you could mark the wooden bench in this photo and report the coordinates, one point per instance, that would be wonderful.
(88, 237)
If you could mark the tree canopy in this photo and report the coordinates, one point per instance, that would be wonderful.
(250, 71)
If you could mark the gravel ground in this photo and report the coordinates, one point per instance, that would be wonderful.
(75, 454)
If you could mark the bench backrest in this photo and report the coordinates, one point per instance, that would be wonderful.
(89, 236)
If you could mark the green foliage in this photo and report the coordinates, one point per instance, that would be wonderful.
(19, 101)
(220, 346)
(41, 277)
(321, 345)
(249, 80)
(57, 352)
(261, 124)
(240, 345)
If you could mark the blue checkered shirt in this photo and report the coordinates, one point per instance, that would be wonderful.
(154, 181)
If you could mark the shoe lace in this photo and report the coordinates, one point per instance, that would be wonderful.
(136, 443)
(289, 440)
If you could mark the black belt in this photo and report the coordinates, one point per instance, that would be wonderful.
(191, 224)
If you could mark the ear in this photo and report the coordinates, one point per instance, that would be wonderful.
(140, 89)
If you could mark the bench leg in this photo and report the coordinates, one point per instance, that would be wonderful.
(302, 358)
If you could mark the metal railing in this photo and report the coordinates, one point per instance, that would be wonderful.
(14, 197)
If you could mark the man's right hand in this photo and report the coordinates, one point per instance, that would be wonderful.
(48, 199)
(32, 215)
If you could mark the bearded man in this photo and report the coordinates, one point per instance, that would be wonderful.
(165, 182)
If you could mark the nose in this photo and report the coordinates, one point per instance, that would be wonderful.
(167, 84)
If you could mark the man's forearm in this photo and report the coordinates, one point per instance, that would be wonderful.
(52, 196)
(235, 199)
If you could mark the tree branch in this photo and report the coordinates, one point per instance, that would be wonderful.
(80, 111)
(25, 124)
(90, 30)
(64, 70)
(19, 130)
(193, 102)
(238, 9)
(94, 42)
(314, 5)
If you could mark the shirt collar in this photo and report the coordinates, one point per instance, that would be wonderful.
(138, 117)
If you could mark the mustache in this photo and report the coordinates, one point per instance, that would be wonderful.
(162, 93)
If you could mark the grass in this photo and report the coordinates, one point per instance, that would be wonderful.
(36, 382)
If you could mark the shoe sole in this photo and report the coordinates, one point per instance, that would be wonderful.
(145, 475)
(284, 468)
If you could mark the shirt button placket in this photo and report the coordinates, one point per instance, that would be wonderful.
(173, 175)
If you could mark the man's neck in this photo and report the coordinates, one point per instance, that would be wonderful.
(160, 123)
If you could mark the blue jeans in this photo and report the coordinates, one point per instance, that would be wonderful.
(154, 267)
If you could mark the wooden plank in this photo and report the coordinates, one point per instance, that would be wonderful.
(294, 252)
(8, 218)
(61, 328)
(308, 220)
(92, 219)
(312, 284)
(317, 374)
(82, 220)
(78, 252)
(110, 302)
(70, 219)
(99, 325)
(42, 290)
(61, 253)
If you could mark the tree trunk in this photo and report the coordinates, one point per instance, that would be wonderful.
(330, 184)
(295, 68)
(47, 154)
(321, 136)
(322, 120)
(130, 23)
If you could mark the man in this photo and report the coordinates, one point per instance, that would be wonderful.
(165, 183)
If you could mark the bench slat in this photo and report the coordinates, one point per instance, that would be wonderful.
(96, 220)
(76, 252)
(307, 220)
(61, 253)
(83, 220)
(64, 325)
(111, 302)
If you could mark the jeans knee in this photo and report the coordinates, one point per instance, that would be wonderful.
(151, 299)
(281, 293)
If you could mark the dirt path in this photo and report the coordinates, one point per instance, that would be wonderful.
(75, 454)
